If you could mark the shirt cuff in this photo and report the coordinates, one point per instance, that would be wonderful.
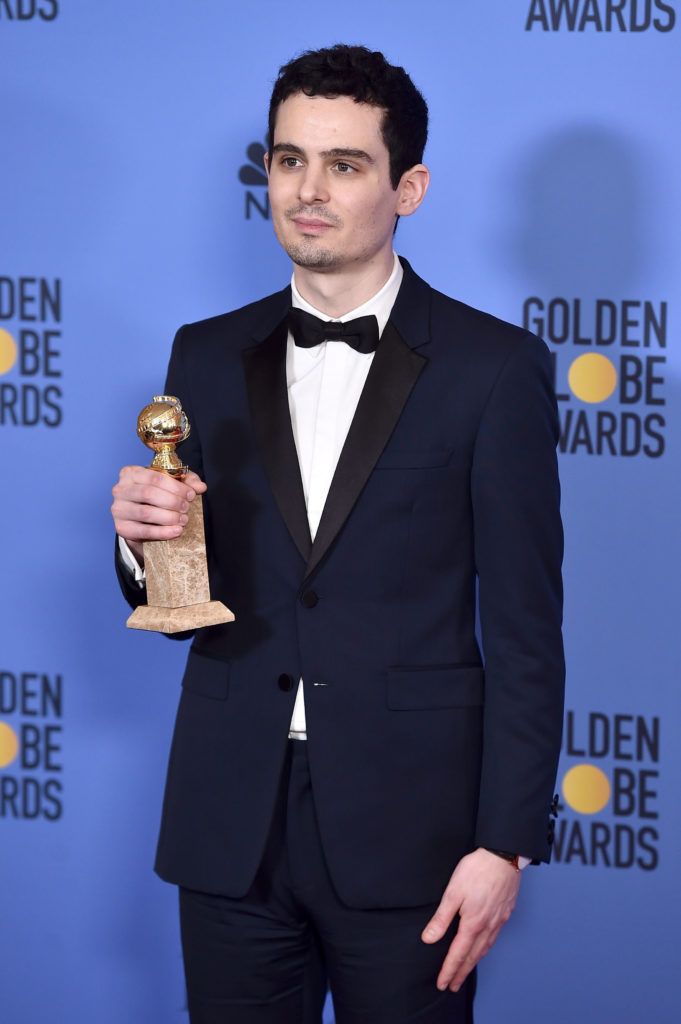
(131, 563)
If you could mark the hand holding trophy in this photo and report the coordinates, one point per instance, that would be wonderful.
(178, 595)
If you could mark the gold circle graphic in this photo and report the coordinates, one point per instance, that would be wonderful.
(592, 377)
(586, 788)
(8, 351)
(9, 744)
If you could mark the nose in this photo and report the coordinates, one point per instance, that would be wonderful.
(312, 186)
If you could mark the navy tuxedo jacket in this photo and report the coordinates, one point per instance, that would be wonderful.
(446, 492)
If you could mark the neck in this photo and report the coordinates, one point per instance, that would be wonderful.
(336, 293)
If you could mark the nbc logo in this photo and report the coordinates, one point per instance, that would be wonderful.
(252, 174)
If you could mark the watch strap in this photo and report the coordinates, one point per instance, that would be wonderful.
(514, 859)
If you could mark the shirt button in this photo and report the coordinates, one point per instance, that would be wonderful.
(309, 599)
(285, 682)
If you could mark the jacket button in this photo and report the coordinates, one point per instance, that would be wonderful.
(309, 599)
(285, 681)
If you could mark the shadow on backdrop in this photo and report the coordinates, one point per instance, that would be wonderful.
(582, 221)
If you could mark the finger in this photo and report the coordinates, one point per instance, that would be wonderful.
(151, 478)
(457, 955)
(131, 511)
(147, 531)
(442, 918)
(151, 494)
(462, 971)
(480, 948)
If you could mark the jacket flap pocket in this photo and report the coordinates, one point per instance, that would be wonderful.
(206, 676)
(448, 686)
(412, 460)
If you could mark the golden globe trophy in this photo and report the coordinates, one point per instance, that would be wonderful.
(178, 596)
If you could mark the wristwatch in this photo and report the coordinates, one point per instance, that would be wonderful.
(515, 859)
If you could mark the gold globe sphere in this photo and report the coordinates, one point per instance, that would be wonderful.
(161, 426)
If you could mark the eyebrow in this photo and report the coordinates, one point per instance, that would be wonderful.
(339, 152)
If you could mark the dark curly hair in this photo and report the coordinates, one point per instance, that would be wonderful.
(366, 76)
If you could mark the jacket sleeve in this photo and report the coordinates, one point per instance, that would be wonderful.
(518, 552)
(176, 384)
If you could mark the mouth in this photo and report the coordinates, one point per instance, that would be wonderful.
(311, 225)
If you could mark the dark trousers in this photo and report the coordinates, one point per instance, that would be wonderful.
(263, 959)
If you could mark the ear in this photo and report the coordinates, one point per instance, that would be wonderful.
(412, 189)
(266, 161)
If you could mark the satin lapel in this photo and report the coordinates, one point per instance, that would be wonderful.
(394, 371)
(265, 369)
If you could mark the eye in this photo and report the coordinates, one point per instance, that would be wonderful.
(290, 161)
(344, 168)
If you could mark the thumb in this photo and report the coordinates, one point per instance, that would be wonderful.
(195, 482)
(442, 918)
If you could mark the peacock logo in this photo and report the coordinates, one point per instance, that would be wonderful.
(252, 175)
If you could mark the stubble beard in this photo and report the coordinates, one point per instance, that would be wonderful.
(309, 253)
(312, 258)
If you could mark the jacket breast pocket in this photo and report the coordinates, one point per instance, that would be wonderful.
(411, 688)
(206, 675)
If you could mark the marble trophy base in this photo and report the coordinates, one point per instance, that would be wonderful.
(178, 596)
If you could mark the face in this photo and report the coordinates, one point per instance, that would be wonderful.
(332, 202)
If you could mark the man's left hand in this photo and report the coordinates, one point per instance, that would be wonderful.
(483, 891)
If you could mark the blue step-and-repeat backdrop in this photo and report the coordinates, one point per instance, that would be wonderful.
(132, 200)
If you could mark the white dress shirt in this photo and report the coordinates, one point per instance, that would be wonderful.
(324, 384)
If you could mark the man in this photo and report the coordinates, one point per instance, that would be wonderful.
(345, 777)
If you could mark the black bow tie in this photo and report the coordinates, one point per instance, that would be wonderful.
(308, 331)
